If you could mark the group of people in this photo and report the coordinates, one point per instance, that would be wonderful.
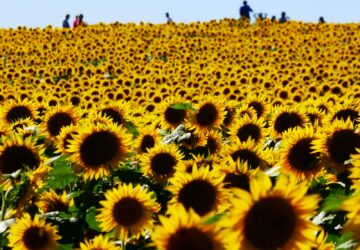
(78, 21)
(246, 9)
(244, 14)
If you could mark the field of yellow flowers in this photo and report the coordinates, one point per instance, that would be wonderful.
(212, 136)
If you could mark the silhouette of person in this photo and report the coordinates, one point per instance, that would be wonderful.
(76, 22)
(81, 20)
(245, 11)
(273, 19)
(168, 18)
(283, 18)
(260, 16)
(321, 20)
(65, 23)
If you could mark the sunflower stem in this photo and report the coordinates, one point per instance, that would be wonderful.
(4, 198)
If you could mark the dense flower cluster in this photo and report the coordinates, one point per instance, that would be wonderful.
(216, 135)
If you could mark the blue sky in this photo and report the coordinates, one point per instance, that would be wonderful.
(39, 13)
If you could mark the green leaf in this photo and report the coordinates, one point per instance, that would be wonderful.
(333, 202)
(182, 106)
(132, 129)
(214, 219)
(66, 247)
(61, 175)
(91, 220)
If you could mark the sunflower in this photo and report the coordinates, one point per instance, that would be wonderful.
(17, 110)
(66, 134)
(185, 230)
(316, 116)
(128, 210)
(284, 119)
(213, 142)
(273, 217)
(17, 153)
(148, 138)
(32, 234)
(170, 118)
(116, 111)
(230, 109)
(208, 114)
(245, 152)
(297, 156)
(237, 174)
(57, 118)
(351, 206)
(161, 161)
(97, 148)
(347, 110)
(258, 103)
(201, 190)
(50, 201)
(337, 143)
(249, 128)
(100, 242)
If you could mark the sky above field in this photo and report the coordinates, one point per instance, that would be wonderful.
(40, 13)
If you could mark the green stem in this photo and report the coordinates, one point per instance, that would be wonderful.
(3, 205)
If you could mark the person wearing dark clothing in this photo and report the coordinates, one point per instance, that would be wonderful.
(245, 11)
(65, 23)
(321, 20)
(168, 18)
(283, 18)
(81, 20)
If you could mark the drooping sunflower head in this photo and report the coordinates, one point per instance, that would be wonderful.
(128, 210)
(99, 147)
(33, 234)
(148, 138)
(249, 128)
(58, 118)
(337, 143)
(17, 153)
(185, 230)
(297, 155)
(285, 205)
(208, 114)
(50, 201)
(17, 110)
(245, 152)
(201, 190)
(161, 161)
(170, 117)
(284, 119)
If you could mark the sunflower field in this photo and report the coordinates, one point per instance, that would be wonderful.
(201, 136)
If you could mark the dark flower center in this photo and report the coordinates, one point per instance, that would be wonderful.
(199, 195)
(270, 223)
(342, 144)
(258, 108)
(16, 157)
(212, 145)
(249, 156)
(174, 116)
(17, 113)
(190, 239)
(99, 148)
(127, 211)
(207, 115)
(301, 157)
(57, 121)
(147, 142)
(163, 164)
(247, 131)
(347, 113)
(228, 117)
(35, 238)
(237, 180)
(113, 114)
(287, 120)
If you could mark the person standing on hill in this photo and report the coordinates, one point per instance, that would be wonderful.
(168, 18)
(283, 18)
(65, 23)
(245, 11)
(76, 22)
